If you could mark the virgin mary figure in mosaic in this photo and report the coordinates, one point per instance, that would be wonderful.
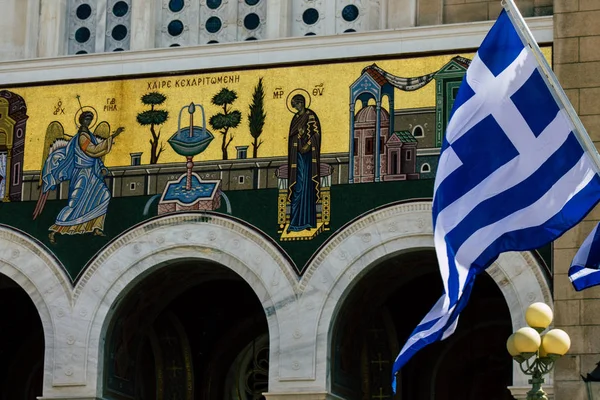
(304, 158)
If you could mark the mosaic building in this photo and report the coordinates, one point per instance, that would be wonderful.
(231, 199)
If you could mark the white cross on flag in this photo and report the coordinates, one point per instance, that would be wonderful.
(512, 174)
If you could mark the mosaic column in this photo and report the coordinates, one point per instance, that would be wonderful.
(351, 148)
(377, 155)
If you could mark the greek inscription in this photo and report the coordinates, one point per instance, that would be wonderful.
(192, 82)
(58, 108)
(111, 104)
(318, 89)
(278, 93)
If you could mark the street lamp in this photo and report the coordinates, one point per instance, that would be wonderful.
(592, 381)
(535, 353)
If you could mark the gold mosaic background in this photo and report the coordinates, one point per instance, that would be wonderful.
(331, 107)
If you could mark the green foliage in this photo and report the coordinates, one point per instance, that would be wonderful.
(256, 118)
(224, 97)
(153, 98)
(152, 117)
(226, 121)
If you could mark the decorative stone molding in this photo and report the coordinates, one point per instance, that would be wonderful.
(417, 40)
(315, 8)
(75, 319)
(82, 20)
(177, 27)
(161, 242)
(395, 229)
(118, 25)
(246, 11)
(33, 268)
(300, 313)
(301, 396)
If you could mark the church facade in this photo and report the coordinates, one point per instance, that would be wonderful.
(232, 200)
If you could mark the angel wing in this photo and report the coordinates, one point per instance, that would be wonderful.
(55, 138)
(54, 132)
(102, 131)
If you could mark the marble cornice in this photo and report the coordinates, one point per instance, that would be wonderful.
(426, 39)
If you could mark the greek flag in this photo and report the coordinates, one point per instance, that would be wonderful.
(584, 272)
(512, 174)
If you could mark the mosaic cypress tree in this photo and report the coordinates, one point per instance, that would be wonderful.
(256, 118)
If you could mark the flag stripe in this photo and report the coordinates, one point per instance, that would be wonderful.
(537, 214)
(592, 258)
(518, 197)
(571, 214)
(506, 177)
(584, 272)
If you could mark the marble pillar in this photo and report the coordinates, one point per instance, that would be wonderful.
(52, 39)
(143, 24)
(279, 18)
(13, 35)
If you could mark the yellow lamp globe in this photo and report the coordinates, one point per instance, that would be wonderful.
(527, 340)
(539, 315)
(543, 352)
(510, 346)
(556, 342)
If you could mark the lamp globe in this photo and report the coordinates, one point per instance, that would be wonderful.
(539, 315)
(556, 342)
(510, 346)
(527, 340)
(542, 352)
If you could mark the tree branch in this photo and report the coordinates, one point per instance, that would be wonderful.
(158, 153)
(230, 139)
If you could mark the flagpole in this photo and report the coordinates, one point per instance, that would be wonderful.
(558, 93)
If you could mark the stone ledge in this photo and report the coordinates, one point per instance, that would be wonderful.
(231, 56)
(302, 396)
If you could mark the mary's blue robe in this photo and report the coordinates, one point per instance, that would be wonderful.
(304, 155)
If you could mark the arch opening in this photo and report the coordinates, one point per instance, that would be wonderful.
(378, 315)
(194, 330)
(21, 344)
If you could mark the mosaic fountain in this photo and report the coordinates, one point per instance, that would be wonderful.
(189, 192)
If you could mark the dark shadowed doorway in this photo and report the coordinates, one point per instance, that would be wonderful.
(21, 344)
(380, 313)
(190, 331)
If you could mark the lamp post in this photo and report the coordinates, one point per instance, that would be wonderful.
(592, 381)
(537, 353)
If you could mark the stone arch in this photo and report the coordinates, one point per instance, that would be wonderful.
(28, 263)
(164, 241)
(393, 230)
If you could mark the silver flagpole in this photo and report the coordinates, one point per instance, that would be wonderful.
(555, 88)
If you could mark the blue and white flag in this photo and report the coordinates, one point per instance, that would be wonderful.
(584, 272)
(512, 175)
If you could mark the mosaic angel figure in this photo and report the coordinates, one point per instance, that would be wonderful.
(79, 160)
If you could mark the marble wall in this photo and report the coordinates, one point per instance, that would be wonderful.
(300, 312)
